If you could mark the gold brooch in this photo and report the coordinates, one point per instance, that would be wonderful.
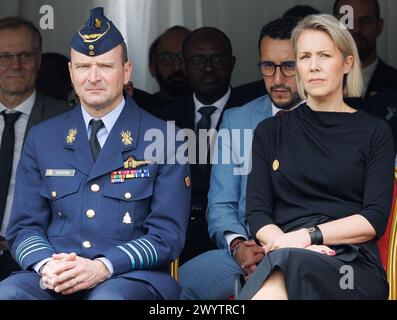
(127, 139)
(71, 137)
(276, 165)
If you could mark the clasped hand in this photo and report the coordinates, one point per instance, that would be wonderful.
(69, 273)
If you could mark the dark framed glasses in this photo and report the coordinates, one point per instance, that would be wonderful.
(169, 58)
(24, 57)
(268, 68)
(199, 61)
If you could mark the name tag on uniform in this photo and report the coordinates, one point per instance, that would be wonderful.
(59, 172)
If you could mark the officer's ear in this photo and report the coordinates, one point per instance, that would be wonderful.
(70, 71)
(152, 69)
(127, 72)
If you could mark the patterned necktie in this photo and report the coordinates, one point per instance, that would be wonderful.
(6, 157)
(96, 125)
(205, 121)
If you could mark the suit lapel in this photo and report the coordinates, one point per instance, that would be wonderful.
(380, 80)
(36, 114)
(229, 104)
(186, 114)
(263, 110)
(111, 156)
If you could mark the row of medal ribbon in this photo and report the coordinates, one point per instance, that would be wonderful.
(120, 176)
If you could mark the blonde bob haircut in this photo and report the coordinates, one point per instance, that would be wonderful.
(353, 81)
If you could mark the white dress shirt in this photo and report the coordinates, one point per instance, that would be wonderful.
(20, 127)
(367, 74)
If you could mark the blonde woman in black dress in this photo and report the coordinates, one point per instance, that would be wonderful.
(320, 190)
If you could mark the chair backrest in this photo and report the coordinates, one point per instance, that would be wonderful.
(174, 269)
(387, 245)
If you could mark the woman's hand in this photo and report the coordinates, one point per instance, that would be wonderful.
(322, 249)
(295, 239)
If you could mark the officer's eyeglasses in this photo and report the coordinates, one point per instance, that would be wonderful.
(268, 68)
(169, 58)
(217, 60)
(24, 57)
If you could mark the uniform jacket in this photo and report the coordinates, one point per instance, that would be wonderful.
(139, 224)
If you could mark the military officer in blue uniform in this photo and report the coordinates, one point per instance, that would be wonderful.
(94, 216)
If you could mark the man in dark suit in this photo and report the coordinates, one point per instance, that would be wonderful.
(380, 85)
(208, 64)
(21, 107)
(368, 26)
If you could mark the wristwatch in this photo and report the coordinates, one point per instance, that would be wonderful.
(316, 236)
(234, 245)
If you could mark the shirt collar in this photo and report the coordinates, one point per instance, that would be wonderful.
(220, 104)
(108, 120)
(25, 107)
(275, 109)
(371, 68)
(367, 74)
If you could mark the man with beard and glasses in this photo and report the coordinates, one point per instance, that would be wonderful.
(165, 63)
(236, 252)
(256, 89)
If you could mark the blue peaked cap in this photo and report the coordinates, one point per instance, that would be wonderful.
(97, 36)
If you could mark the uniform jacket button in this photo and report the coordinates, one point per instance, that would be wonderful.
(90, 213)
(87, 244)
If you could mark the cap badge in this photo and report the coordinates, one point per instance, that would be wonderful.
(94, 36)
